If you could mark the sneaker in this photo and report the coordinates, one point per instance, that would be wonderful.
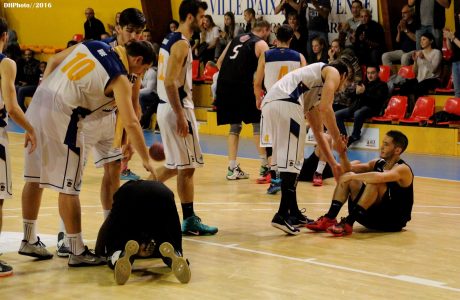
(299, 219)
(275, 186)
(179, 265)
(341, 229)
(87, 258)
(61, 249)
(284, 224)
(193, 226)
(265, 176)
(37, 250)
(123, 265)
(236, 173)
(128, 175)
(317, 179)
(351, 140)
(322, 224)
(5, 269)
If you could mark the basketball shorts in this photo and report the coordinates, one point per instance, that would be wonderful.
(180, 152)
(282, 127)
(6, 191)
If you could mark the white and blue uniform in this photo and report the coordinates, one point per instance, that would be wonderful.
(180, 152)
(283, 121)
(74, 90)
(5, 166)
(279, 62)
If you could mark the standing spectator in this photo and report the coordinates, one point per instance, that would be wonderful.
(430, 16)
(209, 37)
(299, 40)
(93, 27)
(369, 40)
(371, 98)
(27, 77)
(231, 30)
(250, 18)
(319, 53)
(453, 43)
(287, 6)
(406, 39)
(317, 12)
(347, 29)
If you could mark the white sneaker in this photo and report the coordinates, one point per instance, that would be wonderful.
(86, 259)
(236, 173)
(37, 249)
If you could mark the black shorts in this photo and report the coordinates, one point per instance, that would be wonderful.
(235, 104)
(309, 167)
(384, 216)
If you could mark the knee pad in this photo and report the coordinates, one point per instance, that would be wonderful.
(235, 129)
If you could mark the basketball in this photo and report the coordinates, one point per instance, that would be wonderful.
(157, 152)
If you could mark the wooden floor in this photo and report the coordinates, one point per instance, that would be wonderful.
(248, 259)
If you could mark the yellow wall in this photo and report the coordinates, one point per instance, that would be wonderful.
(175, 9)
(57, 25)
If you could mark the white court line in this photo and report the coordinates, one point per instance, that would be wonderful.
(10, 217)
(421, 212)
(449, 214)
(313, 261)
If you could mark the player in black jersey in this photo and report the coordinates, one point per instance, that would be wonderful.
(380, 192)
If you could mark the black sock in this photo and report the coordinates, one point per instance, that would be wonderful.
(273, 174)
(288, 193)
(187, 210)
(357, 212)
(334, 209)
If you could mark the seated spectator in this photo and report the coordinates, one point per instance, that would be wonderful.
(209, 37)
(406, 39)
(112, 28)
(231, 29)
(369, 40)
(347, 29)
(453, 44)
(299, 40)
(147, 35)
(427, 66)
(286, 7)
(371, 96)
(319, 53)
(173, 25)
(27, 77)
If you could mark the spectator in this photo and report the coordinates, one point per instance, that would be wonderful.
(93, 27)
(316, 12)
(453, 43)
(250, 18)
(287, 6)
(406, 39)
(371, 97)
(71, 43)
(430, 16)
(369, 40)
(173, 25)
(27, 77)
(231, 29)
(209, 37)
(147, 35)
(299, 40)
(347, 29)
(319, 53)
(112, 28)
(105, 35)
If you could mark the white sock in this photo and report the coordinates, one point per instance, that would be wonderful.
(320, 167)
(232, 164)
(263, 160)
(106, 213)
(61, 226)
(30, 230)
(75, 242)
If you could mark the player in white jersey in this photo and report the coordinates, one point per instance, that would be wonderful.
(272, 66)
(306, 91)
(175, 115)
(80, 81)
(9, 103)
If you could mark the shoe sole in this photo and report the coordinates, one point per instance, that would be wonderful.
(63, 255)
(338, 234)
(6, 274)
(285, 229)
(40, 257)
(123, 266)
(179, 265)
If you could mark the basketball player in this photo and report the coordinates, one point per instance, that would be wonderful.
(144, 213)
(175, 114)
(78, 82)
(308, 90)
(272, 66)
(235, 101)
(380, 192)
(9, 106)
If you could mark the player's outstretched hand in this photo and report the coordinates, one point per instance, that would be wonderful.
(341, 145)
(31, 139)
(127, 151)
(149, 166)
(337, 170)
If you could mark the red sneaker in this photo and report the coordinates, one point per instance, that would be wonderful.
(341, 229)
(322, 224)
(264, 175)
(317, 179)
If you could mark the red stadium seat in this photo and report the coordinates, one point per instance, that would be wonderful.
(384, 73)
(451, 106)
(406, 72)
(423, 110)
(209, 71)
(78, 37)
(449, 89)
(195, 69)
(396, 109)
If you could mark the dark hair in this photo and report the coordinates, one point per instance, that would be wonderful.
(191, 7)
(284, 33)
(293, 14)
(71, 43)
(261, 23)
(428, 35)
(174, 22)
(209, 17)
(341, 66)
(141, 48)
(250, 11)
(133, 17)
(357, 1)
(399, 139)
(376, 67)
(230, 29)
(3, 26)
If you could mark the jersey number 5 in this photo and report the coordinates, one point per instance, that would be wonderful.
(235, 51)
(78, 67)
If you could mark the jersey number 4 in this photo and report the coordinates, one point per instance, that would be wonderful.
(78, 67)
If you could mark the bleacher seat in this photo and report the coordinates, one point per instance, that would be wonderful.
(396, 109)
(384, 73)
(406, 72)
(452, 106)
(449, 89)
(78, 37)
(209, 71)
(195, 69)
(423, 110)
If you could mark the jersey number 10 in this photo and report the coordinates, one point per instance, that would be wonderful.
(78, 67)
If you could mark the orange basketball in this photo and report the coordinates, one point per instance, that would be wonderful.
(157, 152)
